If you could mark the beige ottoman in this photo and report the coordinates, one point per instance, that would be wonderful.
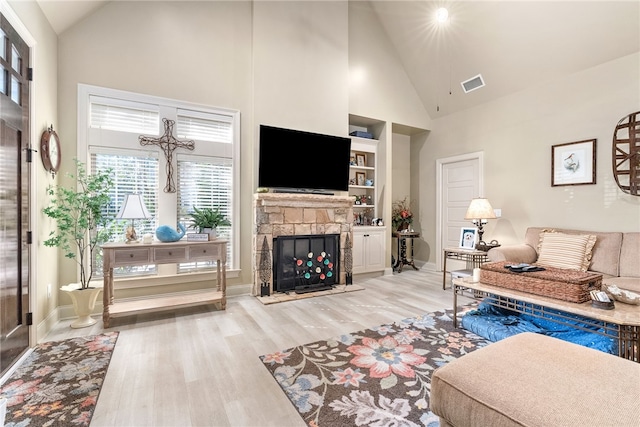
(534, 380)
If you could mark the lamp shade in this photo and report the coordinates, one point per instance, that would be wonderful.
(133, 208)
(480, 209)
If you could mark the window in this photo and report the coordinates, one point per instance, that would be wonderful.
(194, 176)
(111, 123)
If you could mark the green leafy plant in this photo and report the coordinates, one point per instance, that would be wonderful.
(80, 218)
(207, 218)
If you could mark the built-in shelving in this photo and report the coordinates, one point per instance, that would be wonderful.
(362, 180)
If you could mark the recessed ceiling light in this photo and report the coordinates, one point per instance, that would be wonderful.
(442, 15)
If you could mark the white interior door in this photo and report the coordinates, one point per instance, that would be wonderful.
(459, 181)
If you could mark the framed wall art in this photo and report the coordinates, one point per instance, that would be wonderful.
(573, 163)
(361, 159)
(360, 177)
(468, 237)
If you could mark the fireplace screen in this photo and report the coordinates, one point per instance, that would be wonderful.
(306, 263)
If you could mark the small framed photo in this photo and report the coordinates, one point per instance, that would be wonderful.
(468, 237)
(573, 163)
(360, 178)
(361, 159)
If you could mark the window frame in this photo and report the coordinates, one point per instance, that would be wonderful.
(169, 202)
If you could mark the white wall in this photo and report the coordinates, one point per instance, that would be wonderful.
(516, 134)
(300, 65)
(379, 87)
(401, 167)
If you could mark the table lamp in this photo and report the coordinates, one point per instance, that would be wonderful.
(479, 211)
(133, 208)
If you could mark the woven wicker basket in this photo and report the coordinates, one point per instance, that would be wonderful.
(566, 285)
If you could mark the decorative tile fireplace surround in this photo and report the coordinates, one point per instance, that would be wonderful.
(284, 214)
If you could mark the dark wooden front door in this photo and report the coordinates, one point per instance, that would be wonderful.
(14, 195)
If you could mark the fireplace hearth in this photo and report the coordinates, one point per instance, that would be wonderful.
(306, 263)
(279, 215)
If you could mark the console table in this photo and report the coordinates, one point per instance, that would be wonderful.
(473, 257)
(123, 254)
(402, 260)
(621, 323)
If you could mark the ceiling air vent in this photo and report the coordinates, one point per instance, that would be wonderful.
(472, 84)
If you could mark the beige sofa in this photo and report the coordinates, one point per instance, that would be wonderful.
(616, 255)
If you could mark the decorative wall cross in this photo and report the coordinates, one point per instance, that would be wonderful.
(168, 143)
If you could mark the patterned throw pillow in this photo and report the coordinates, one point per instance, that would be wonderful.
(570, 251)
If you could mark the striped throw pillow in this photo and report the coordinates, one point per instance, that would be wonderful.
(570, 251)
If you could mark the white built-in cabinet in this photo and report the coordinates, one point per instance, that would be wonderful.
(366, 187)
(368, 249)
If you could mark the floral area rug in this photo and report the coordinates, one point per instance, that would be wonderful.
(59, 382)
(375, 377)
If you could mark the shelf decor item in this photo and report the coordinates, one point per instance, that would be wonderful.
(207, 220)
(361, 159)
(166, 234)
(348, 260)
(468, 237)
(479, 212)
(361, 134)
(133, 208)
(401, 215)
(264, 268)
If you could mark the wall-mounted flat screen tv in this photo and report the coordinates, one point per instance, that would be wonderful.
(299, 161)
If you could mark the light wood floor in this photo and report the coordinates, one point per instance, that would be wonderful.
(200, 366)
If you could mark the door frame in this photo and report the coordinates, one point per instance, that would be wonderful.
(440, 163)
(26, 36)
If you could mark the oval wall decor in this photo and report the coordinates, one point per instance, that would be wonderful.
(626, 154)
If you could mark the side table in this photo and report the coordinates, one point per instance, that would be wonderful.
(473, 258)
(402, 260)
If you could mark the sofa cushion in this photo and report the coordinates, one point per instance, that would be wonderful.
(629, 261)
(605, 256)
(570, 251)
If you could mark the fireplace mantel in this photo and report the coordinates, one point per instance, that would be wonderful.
(291, 214)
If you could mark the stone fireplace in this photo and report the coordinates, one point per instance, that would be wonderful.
(308, 215)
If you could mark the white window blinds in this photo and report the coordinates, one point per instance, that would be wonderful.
(211, 127)
(113, 114)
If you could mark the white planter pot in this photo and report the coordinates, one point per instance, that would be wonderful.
(211, 232)
(84, 301)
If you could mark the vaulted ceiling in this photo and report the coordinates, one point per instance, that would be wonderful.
(513, 44)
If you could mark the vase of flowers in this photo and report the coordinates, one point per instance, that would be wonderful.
(401, 215)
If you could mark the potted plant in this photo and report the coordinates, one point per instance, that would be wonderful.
(80, 229)
(206, 220)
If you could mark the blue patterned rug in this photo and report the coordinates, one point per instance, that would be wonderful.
(379, 376)
(59, 382)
